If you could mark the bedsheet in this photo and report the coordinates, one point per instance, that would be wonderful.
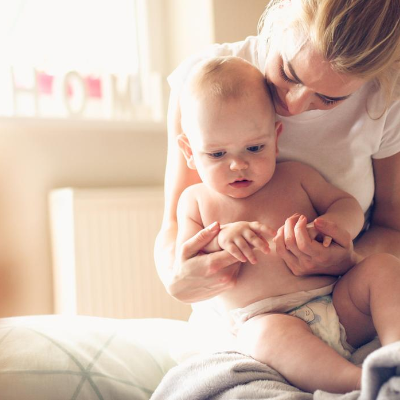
(84, 358)
(231, 375)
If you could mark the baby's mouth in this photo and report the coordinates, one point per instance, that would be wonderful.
(241, 183)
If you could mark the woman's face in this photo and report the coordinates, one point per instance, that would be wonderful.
(305, 81)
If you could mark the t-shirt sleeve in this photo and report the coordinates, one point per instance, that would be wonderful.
(390, 143)
(247, 49)
(179, 75)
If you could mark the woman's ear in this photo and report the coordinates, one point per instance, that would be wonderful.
(184, 145)
(278, 131)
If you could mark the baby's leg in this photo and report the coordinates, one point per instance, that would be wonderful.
(367, 300)
(287, 344)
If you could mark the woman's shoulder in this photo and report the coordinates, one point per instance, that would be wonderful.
(248, 49)
(376, 101)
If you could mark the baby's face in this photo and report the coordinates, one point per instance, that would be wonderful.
(234, 144)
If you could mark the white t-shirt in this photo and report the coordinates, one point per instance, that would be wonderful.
(340, 143)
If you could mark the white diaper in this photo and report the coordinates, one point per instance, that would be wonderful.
(315, 307)
(278, 304)
(321, 317)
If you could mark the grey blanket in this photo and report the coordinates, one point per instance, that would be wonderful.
(230, 375)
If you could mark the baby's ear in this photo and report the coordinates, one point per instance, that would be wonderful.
(184, 145)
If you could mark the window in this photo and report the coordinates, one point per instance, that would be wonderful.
(78, 59)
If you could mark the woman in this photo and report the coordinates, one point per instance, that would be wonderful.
(333, 70)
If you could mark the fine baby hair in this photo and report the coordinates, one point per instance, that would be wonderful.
(222, 77)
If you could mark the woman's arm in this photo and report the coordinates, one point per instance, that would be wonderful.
(384, 232)
(186, 276)
(339, 214)
(382, 236)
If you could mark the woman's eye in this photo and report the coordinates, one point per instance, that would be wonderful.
(328, 102)
(284, 76)
(255, 149)
(217, 154)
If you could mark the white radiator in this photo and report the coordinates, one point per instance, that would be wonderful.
(102, 242)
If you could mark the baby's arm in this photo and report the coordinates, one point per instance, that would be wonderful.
(188, 217)
(333, 204)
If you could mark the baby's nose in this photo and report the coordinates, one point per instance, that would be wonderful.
(238, 164)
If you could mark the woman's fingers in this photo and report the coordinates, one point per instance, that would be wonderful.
(193, 245)
(215, 262)
(293, 231)
(327, 240)
(292, 262)
(304, 241)
(280, 246)
(223, 279)
(338, 235)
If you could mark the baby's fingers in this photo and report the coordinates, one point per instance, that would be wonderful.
(257, 242)
(236, 252)
(262, 229)
(246, 250)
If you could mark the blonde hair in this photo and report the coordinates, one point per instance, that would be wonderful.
(358, 37)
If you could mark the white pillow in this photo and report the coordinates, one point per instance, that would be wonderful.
(84, 358)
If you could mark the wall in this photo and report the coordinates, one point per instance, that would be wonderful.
(192, 24)
(36, 157)
(236, 19)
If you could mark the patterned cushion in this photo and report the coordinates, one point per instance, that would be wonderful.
(84, 358)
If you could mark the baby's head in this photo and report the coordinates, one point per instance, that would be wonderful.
(228, 124)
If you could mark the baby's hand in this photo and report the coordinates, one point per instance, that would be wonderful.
(318, 236)
(241, 239)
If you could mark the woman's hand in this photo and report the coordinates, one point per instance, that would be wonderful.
(198, 276)
(305, 255)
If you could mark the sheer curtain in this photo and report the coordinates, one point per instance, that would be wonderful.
(76, 59)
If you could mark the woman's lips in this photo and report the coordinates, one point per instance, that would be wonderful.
(241, 184)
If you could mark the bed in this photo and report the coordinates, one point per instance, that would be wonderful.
(74, 358)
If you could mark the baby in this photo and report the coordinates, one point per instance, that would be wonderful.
(230, 137)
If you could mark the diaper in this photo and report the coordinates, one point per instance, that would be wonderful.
(315, 307)
(321, 317)
(277, 304)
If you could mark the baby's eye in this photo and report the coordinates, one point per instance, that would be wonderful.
(217, 154)
(255, 149)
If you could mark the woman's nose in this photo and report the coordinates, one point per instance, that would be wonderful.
(299, 100)
(238, 164)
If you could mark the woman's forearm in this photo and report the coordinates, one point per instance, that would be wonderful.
(383, 236)
(164, 254)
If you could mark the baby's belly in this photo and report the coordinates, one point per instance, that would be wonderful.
(270, 277)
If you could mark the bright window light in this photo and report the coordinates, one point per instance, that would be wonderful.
(75, 59)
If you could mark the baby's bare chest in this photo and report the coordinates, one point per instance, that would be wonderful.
(270, 207)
